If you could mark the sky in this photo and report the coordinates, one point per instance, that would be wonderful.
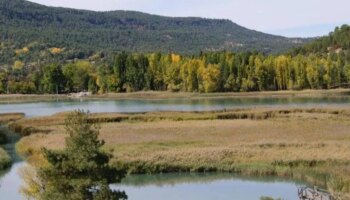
(291, 18)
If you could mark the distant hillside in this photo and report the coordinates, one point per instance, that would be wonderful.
(29, 25)
(336, 42)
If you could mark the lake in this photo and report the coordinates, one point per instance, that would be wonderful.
(202, 104)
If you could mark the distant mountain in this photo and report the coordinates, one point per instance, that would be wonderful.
(336, 42)
(26, 24)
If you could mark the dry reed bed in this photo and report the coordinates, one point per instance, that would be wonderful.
(19, 98)
(10, 117)
(32, 125)
(172, 95)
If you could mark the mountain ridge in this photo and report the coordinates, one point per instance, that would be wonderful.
(23, 23)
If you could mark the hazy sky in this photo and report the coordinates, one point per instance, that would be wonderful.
(283, 17)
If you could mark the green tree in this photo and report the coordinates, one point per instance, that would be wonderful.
(313, 76)
(81, 170)
(261, 74)
(155, 75)
(2, 83)
(172, 74)
(78, 76)
(53, 79)
(299, 65)
(119, 70)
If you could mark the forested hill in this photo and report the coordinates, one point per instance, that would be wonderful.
(336, 42)
(26, 24)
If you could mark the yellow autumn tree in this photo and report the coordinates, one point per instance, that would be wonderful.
(209, 77)
(175, 58)
(18, 65)
(282, 64)
(25, 50)
(188, 74)
(55, 50)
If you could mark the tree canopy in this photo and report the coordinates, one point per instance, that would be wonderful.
(207, 72)
(81, 170)
(30, 31)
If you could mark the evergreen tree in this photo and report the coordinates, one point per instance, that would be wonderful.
(81, 170)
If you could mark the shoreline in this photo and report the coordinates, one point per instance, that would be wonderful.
(162, 95)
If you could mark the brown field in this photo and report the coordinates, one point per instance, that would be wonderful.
(167, 95)
(20, 98)
(308, 144)
(10, 117)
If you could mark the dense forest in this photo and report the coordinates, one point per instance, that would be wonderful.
(79, 33)
(206, 72)
(336, 41)
(58, 50)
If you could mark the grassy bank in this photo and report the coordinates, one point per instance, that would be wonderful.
(10, 117)
(20, 98)
(5, 119)
(167, 95)
(308, 144)
(5, 160)
(175, 95)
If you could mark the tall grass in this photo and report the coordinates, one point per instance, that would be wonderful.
(30, 126)
(10, 117)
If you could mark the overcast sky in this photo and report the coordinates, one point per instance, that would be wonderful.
(296, 18)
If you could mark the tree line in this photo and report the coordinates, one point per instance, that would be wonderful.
(339, 39)
(207, 72)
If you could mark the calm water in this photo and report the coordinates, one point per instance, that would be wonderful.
(186, 186)
(49, 108)
(10, 181)
(213, 186)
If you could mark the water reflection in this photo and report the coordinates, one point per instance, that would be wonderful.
(192, 186)
(197, 178)
(35, 187)
(10, 180)
(223, 186)
(125, 105)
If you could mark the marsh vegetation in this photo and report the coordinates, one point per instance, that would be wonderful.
(306, 144)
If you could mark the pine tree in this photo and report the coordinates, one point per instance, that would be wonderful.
(81, 170)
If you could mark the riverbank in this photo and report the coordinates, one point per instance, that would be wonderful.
(172, 95)
(21, 98)
(18, 98)
(5, 158)
(307, 144)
